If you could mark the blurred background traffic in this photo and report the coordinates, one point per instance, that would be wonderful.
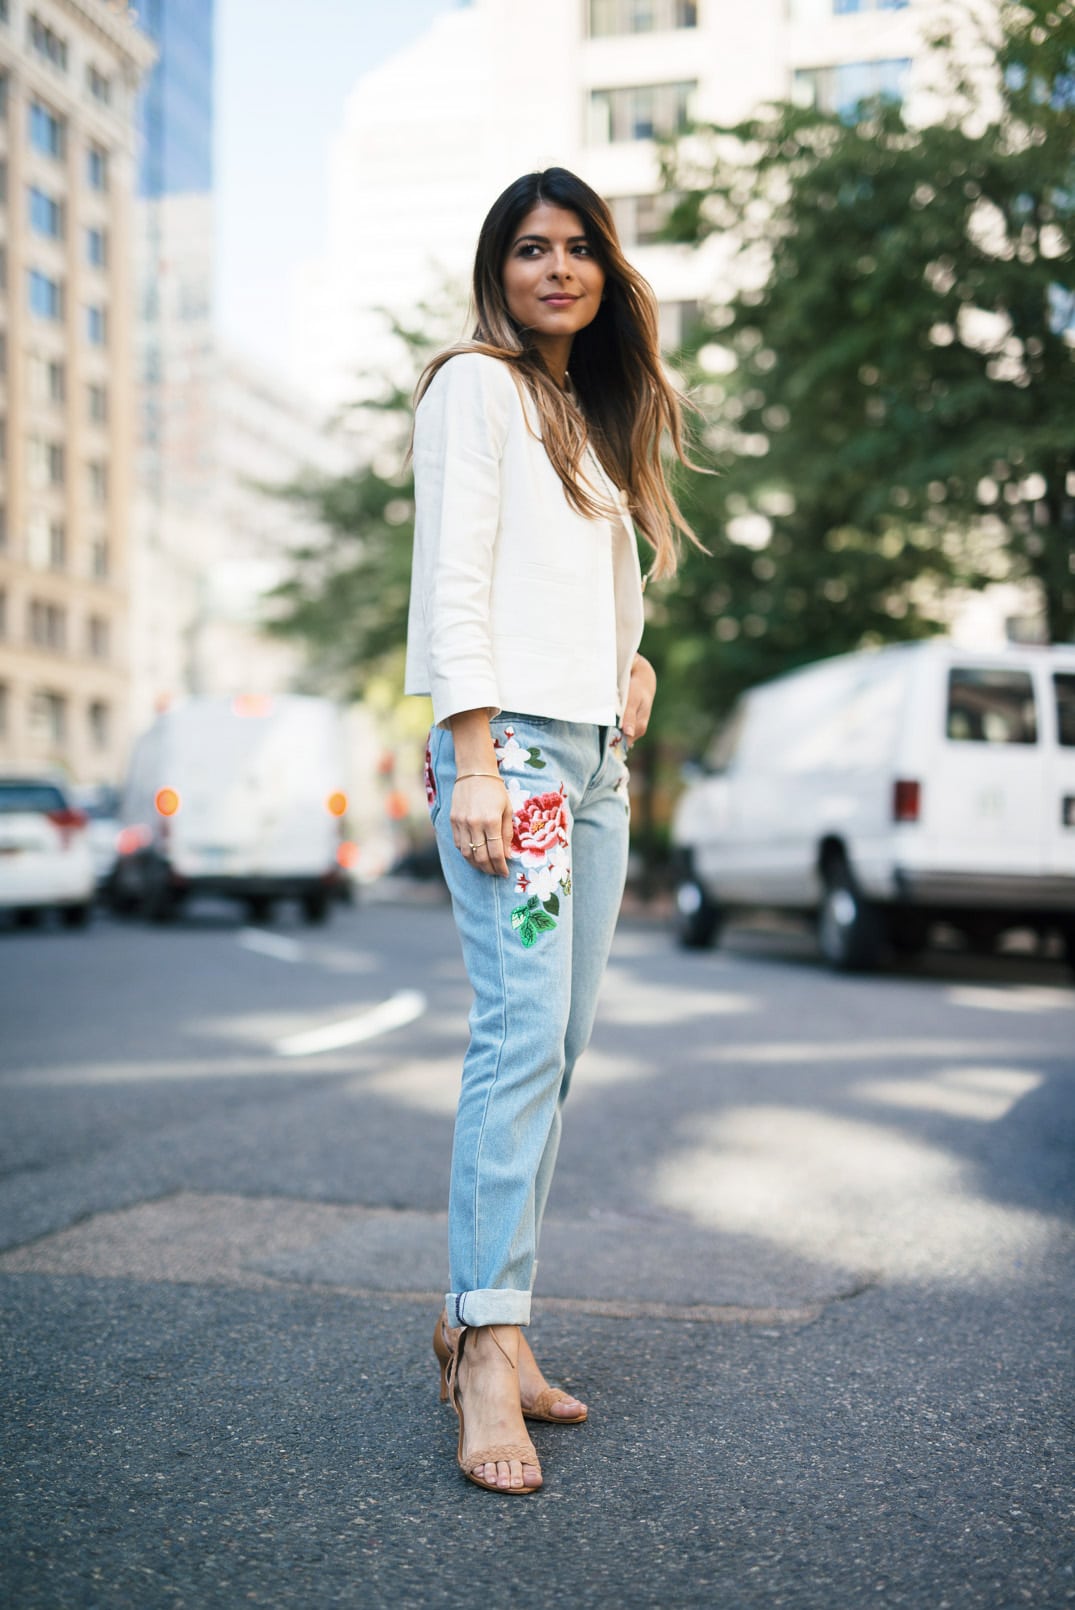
(232, 232)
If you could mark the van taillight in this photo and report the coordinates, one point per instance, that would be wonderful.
(906, 801)
(166, 801)
(336, 804)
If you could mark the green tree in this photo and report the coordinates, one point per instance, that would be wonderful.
(886, 391)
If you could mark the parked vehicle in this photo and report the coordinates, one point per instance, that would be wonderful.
(884, 791)
(45, 860)
(101, 804)
(240, 797)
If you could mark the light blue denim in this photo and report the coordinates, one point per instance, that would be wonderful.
(535, 947)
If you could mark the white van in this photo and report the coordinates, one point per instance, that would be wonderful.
(241, 797)
(887, 790)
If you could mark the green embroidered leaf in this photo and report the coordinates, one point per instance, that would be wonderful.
(553, 904)
(565, 883)
(518, 917)
(528, 932)
(535, 759)
(533, 902)
(543, 922)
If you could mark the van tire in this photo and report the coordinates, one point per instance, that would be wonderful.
(76, 916)
(259, 909)
(315, 907)
(849, 930)
(698, 919)
(160, 902)
(1067, 934)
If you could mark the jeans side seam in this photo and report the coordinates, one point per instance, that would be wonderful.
(496, 1070)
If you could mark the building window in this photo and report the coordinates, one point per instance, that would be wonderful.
(3, 614)
(95, 326)
(96, 168)
(841, 89)
(4, 705)
(640, 220)
(678, 324)
(96, 248)
(48, 45)
(46, 131)
(99, 86)
(47, 625)
(641, 112)
(97, 475)
(46, 295)
(3, 528)
(640, 16)
(100, 723)
(843, 7)
(97, 637)
(99, 558)
(47, 379)
(97, 404)
(48, 716)
(3, 182)
(46, 542)
(46, 215)
(45, 462)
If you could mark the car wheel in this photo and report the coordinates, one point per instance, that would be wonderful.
(908, 932)
(848, 927)
(259, 909)
(698, 919)
(75, 916)
(28, 917)
(160, 901)
(315, 907)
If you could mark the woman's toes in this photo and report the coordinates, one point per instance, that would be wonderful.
(564, 1408)
(531, 1475)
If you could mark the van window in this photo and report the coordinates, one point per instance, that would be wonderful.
(991, 707)
(1064, 683)
(722, 750)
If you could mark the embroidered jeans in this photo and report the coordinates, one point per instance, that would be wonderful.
(535, 947)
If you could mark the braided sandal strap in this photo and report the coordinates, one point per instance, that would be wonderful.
(545, 1399)
(524, 1452)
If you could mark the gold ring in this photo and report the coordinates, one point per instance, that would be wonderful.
(477, 846)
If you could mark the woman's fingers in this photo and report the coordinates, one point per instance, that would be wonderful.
(479, 809)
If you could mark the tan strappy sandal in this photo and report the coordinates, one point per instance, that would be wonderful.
(542, 1406)
(525, 1453)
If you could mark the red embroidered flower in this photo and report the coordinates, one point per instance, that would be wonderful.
(539, 826)
(430, 780)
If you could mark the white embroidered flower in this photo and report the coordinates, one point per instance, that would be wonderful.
(517, 794)
(544, 881)
(511, 755)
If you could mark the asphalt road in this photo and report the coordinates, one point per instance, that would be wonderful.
(809, 1258)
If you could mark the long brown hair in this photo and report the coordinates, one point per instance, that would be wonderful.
(627, 403)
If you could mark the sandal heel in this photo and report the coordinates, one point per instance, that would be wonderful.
(443, 1349)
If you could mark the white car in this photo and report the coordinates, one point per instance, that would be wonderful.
(45, 858)
(885, 791)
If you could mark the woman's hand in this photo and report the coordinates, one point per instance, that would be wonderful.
(481, 823)
(640, 696)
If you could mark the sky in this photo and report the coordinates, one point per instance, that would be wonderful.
(283, 74)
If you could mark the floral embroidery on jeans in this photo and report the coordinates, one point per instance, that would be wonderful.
(430, 780)
(540, 842)
(511, 756)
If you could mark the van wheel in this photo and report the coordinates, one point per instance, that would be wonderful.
(908, 932)
(315, 907)
(1067, 934)
(160, 902)
(698, 920)
(848, 927)
(259, 909)
(75, 916)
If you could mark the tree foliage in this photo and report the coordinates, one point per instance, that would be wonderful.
(888, 380)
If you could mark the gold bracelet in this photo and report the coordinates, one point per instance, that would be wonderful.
(495, 775)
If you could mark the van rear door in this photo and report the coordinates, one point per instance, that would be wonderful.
(1060, 784)
(984, 800)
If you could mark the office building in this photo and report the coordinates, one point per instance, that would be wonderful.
(69, 77)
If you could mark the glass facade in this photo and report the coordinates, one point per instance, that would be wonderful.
(841, 89)
(176, 111)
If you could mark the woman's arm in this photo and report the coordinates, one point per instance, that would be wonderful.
(481, 809)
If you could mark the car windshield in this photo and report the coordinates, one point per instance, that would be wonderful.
(43, 797)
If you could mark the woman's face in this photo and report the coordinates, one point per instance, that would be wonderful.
(551, 278)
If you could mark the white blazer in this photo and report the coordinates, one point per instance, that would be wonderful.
(517, 601)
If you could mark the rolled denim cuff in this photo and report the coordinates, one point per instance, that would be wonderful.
(488, 1307)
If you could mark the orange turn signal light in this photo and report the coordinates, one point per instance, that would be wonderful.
(336, 804)
(347, 854)
(166, 801)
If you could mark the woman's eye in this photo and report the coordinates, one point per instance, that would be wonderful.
(529, 249)
(582, 250)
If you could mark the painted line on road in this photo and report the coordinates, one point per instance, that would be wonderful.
(284, 950)
(403, 1007)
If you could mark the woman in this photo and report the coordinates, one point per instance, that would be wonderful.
(534, 446)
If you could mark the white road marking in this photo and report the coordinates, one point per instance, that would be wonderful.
(1012, 998)
(284, 950)
(403, 1007)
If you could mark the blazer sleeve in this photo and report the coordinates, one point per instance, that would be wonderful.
(459, 433)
